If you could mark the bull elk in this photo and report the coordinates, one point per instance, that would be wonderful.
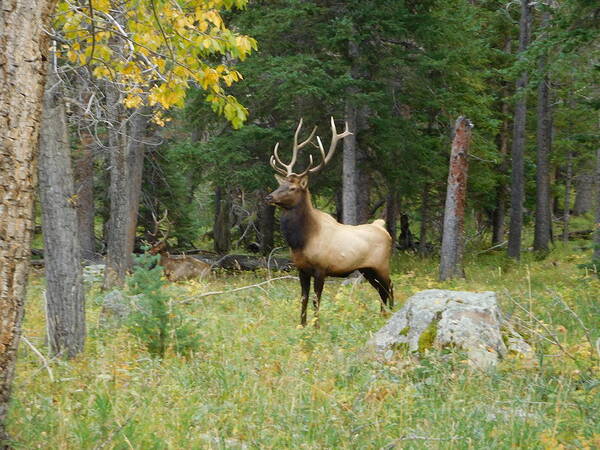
(176, 267)
(320, 245)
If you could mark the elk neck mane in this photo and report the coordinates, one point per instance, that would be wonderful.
(298, 222)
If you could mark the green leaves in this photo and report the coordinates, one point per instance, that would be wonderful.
(154, 49)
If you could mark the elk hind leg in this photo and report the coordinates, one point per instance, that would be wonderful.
(383, 284)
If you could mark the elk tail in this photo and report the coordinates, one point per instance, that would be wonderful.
(380, 223)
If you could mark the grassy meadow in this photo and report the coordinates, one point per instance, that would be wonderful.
(257, 380)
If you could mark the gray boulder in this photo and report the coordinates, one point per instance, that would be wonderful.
(94, 273)
(439, 318)
(118, 306)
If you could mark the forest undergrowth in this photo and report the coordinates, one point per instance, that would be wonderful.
(254, 379)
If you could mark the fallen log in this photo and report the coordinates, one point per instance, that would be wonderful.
(581, 234)
(228, 262)
(246, 262)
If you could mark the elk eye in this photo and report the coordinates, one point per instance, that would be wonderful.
(293, 188)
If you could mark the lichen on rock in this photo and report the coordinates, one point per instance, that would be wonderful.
(440, 318)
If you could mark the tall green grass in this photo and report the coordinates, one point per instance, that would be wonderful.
(257, 380)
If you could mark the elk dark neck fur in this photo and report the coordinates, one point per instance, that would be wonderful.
(297, 223)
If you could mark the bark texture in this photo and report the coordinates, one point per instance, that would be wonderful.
(355, 178)
(596, 255)
(222, 225)
(136, 151)
(363, 180)
(127, 150)
(267, 227)
(499, 213)
(424, 225)
(585, 187)
(391, 213)
(456, 195)
(22, 76)
(83, 168)
(65, 301)
(118, 256)
(517, 180)
(543, 215)
(567, 208)
(406, 240)
(349, 169)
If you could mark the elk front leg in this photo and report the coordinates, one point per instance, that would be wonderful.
(319, 281)
(305, 285)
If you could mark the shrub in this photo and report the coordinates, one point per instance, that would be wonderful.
(156, 321)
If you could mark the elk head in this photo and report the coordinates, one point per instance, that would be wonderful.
(293, 187)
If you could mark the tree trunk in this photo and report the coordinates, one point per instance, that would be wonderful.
(406, 240)
(517, 184)
(391, 212)
(65, 301)
(424, 220)
(584, 192)
(552, 194)
(543, 215)
(222, 226)
(350, 170)
(555, 195)
(596, 255)
(103, 197)
(499, 213)
(22, 77)
(567, 208)
(339, 206)
(83, 168)
(118, 255)
(127, 149)
(499, 216)
(454, 214)
(363, 178)
(267, 227)
(135, 159)
(363, 209)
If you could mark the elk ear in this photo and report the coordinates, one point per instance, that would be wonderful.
(281, 180)
(304, 182)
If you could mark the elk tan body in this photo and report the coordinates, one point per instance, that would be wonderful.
(320, 245)
(176, 267)
(183, 267)
(180, 267)
(337, 249)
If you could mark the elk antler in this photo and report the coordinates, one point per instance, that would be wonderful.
(159, 235)
(335, 137)
(287, 169)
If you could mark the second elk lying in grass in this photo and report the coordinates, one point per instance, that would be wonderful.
(175, 267)
(320, 245)
(180, 267)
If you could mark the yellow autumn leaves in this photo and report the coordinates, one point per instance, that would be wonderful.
(154, 50)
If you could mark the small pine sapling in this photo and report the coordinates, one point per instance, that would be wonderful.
(155, 321)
